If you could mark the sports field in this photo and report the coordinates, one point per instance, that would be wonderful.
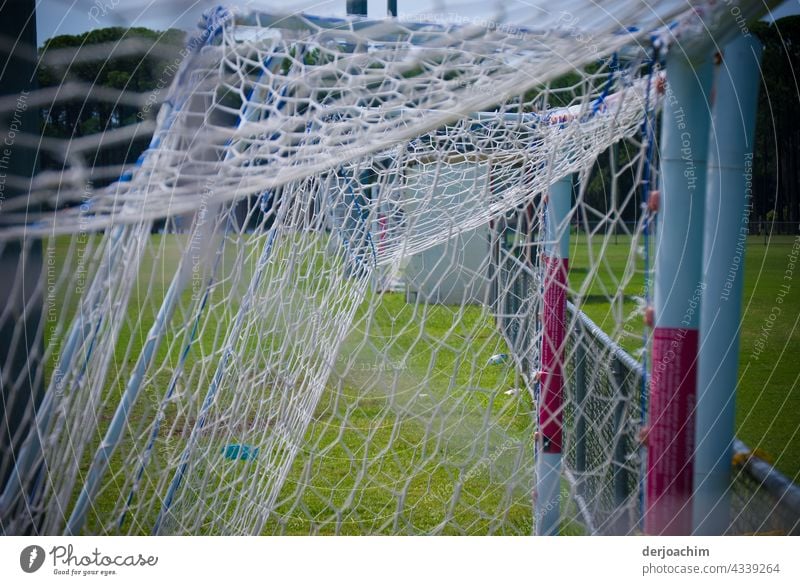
(768, 398)
(399, 445)
(367, 450)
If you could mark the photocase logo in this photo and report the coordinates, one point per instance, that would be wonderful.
(31, 558)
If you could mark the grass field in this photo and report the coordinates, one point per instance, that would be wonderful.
(421, 449)
(768, 397)
(435, 436)
(367, 448)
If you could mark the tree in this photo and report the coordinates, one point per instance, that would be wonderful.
(147, 70)
(776, 175)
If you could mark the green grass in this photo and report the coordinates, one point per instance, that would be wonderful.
(416, 447)
(437, 434)
(432, 450)
(768, 397)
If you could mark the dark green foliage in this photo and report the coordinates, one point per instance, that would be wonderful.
(148, 70)
(776, 168)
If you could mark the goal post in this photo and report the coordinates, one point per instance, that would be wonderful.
(550, 405)
(707, 135)
(678, 292)
(415, 259)
(727, 215)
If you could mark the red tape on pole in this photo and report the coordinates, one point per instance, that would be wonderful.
(670, 439)
(554, 331)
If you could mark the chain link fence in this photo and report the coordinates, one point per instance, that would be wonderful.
(603, 410)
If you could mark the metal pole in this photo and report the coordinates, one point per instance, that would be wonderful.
(357, 7)
(678, 288)
(726, 227)
(621, 446)
(391, 7)
(550, 406)
(580, 405)
(21, 266)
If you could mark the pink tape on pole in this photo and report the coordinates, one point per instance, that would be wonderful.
(554, 330)
(670, 440)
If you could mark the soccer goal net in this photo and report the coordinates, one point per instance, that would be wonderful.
(369, 277)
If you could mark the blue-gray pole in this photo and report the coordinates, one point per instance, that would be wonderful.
(726, 228)
(678, 290)
(554, 315)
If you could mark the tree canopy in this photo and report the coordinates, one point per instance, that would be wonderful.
(134, 72)
(776, 168)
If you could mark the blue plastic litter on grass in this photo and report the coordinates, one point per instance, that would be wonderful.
(242, 452)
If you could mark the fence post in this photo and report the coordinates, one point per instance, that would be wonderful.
(621, 446)
(580, 404)
(357, 7)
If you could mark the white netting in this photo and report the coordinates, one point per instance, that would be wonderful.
(312, 306)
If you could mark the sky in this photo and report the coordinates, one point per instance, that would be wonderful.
(54, 17)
